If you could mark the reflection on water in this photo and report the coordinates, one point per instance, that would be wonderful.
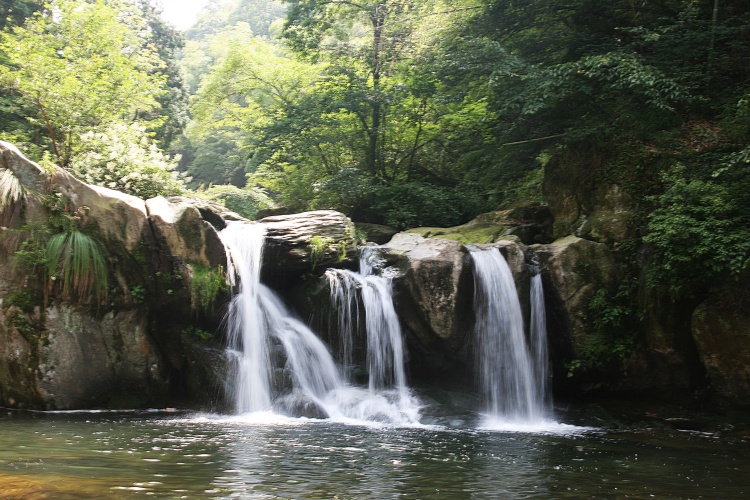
(112, 455)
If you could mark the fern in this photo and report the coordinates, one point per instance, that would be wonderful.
(11, 194)
(78, 261)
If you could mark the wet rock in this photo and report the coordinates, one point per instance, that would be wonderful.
(376, 233)
(302, 242)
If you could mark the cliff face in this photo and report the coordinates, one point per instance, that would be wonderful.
(126, 349)
(154, 337)
(656, 344)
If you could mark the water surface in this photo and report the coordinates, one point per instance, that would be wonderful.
(162, 455)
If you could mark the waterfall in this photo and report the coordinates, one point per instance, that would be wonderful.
(538, 334)
(247, 327)
(385, 351)
(257, 320)
(506, 366)
(256, 317)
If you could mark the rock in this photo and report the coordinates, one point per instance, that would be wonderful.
(585, 200)
(528, 225)
(376, 233)
(574, 270)
(302, 242)
(721, 329)
(85, 362)
(181, 230)
(125, 351)
(434, 296)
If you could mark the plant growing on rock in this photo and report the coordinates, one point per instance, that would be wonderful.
(206, 286)
(75, 262)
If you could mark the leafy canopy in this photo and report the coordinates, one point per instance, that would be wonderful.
(83, 66)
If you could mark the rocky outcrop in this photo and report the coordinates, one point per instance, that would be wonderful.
(585, 199)
(61, 352)
(575, 269)
(434, 294)
(527, 225)
(721, 329)
(301, 242)
(181, 230)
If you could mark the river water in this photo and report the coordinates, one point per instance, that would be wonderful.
(184, 455)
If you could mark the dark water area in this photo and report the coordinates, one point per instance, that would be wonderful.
(185, 455)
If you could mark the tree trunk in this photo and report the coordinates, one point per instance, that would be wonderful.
(372, 159)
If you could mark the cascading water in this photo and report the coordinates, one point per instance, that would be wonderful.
(385, 351)
(538, 334)
(247, 328)
(506, 367)
(257, 318)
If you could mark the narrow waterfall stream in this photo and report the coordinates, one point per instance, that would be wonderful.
(508, 374)
(258, 319)
(538, 337)
(385, 350)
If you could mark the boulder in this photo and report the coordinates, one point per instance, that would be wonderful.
(85, 361)
(586, 197)
(181, 230)
(376, 233)
(301, 242)
(721, 329)
(434, 294)
(574, 270)
(527, 225)
(128, 350)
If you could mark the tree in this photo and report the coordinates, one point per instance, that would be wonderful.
(331, 30)
(126, 158)
(83, 66)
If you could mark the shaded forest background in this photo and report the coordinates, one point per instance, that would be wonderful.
(403, 112)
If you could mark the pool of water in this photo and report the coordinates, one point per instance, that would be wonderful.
(183, 455)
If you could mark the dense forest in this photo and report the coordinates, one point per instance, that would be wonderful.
(401, 112)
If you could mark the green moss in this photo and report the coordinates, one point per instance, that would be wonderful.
(197, 334)
(189, 229)
(205, 287)
(466, 234)
(318, 246)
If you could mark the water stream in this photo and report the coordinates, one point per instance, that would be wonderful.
(258, 320)
(512, 390)
(373, 441)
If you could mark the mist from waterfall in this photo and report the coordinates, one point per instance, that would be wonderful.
(508, 366)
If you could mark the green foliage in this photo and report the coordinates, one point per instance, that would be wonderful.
(205, 287)
(418, 204)
(318, 246)
(614, 321)
(197, 333)
(82, 65)
(138, 294)
(11, 195)
(698, 231)
(76, 264)
(125, 158)
(25, 299)
(246, 202)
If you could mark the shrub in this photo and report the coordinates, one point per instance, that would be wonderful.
(245, 201)
(126, 158)
(698, 232)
